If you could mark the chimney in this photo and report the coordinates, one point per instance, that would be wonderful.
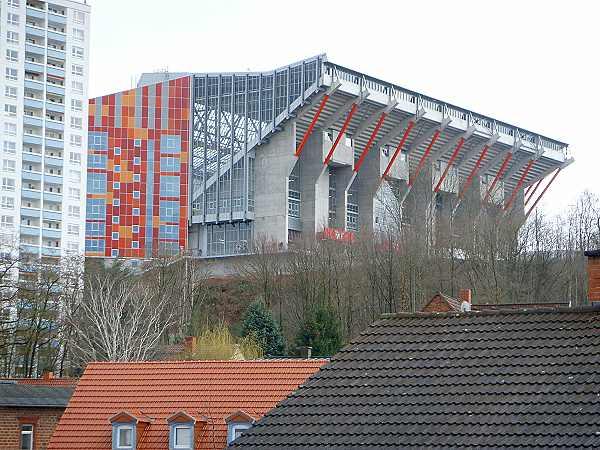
(593, 270)
(47, 376)
(465, 300)
(189, 344)
(305, 352)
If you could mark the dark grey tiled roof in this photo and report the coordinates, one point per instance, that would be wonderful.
(491, 379)
(593, 253)
(29, 396)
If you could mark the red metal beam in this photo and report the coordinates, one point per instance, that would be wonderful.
(461, 142)
(537, 185)
(527, 189)
(341, 133)
(471, 176)
(543, 191)
(423, 158)
(498, 175)
(363, 155)
(519, 184)
(410, 126)
(312, 125)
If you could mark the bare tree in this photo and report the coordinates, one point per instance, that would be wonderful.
(119, 320)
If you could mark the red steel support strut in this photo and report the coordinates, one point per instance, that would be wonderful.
(312, 125)
(537, 185)
(410, 126)
(342, 131)
(498, 175)
(370, 142)
(471, 176)
(423, 158)
(519, 184)
(461, 142)
(543, 191)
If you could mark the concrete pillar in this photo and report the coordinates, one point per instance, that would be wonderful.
(273, 164)
(342, 175)
(314, 186)
(368, 179)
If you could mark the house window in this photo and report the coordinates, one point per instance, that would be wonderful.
(75, 158)
(10, 147)
(73, 229)
(114, 253)
(136, 194)
(135, 244)
(76, 105)
(136, 160)
(8, 165)
(137, 142)
(135, 228)
(13, 3)
(77, 52)
(77, 123)
(116, 202)
(79, 17)
(8, 184)
(7, 202)
(11, 74)
(115, 219)
(182, 436)
(115, 236)
(13, 19)
(117, 150)
(12, 55)
(76, 141)
(77, 87)
(137, 177)
(77, 69)
(73, 211)
(10, 91)
(12, 37)
(78, 34)
(10, 129)
(10, 110)
(26, 437)
(116, 185)
(124, 432)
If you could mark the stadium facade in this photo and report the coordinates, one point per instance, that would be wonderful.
(209, 162)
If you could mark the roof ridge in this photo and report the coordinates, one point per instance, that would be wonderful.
(488, 312)
(213, 361)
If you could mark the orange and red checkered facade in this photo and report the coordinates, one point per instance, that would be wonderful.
(138, 163)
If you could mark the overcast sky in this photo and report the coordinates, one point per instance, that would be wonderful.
(534, 64)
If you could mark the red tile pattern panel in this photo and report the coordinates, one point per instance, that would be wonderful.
(203, 389)
(140, 116)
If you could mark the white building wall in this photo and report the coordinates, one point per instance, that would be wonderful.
(47, 216)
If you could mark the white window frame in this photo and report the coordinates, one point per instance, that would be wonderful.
(13, 19)
(77, 52)
(76, 105)
(183, 427)
(77, 69)
(14, 3)
(12, 37)
(28, 432)
(71, 211)
(10, 91)
(78, 34)
(77, 87)
(12, 55)
(76, 123)
(10, 110)
(10, 129)
(11, 73)
(118, 432)
(234, 428)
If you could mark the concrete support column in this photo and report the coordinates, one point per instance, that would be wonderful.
(273, 166)
(314, 186)
(342, 175)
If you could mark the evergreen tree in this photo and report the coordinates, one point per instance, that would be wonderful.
(322, 331)
(259, 322)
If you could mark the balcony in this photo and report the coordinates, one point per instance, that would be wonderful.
(30, 249)
(54, 143)
(55, 107)
(31, 176)
(37, 86)
(54, 161)
(30, 212)
(34, 49)
(35, 31)
(34, 67)
(32, 120)
(52, 197)
(52, 215)
(29, 230)
(51, 233)
(55, 71)
(53, 89)
(34, 103)
(32, 139)
(53, 178)
(32, 157)
(56, 18)
(35, 12)
(50, 251)
(60, 37)
(54, 125)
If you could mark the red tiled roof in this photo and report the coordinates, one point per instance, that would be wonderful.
(158, 389)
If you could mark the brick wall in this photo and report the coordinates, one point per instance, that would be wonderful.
(43, 419)
(594, 278)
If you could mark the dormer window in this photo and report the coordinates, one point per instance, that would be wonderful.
(125, 429)
(237, 423)
(181, 431)
(124, 436)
